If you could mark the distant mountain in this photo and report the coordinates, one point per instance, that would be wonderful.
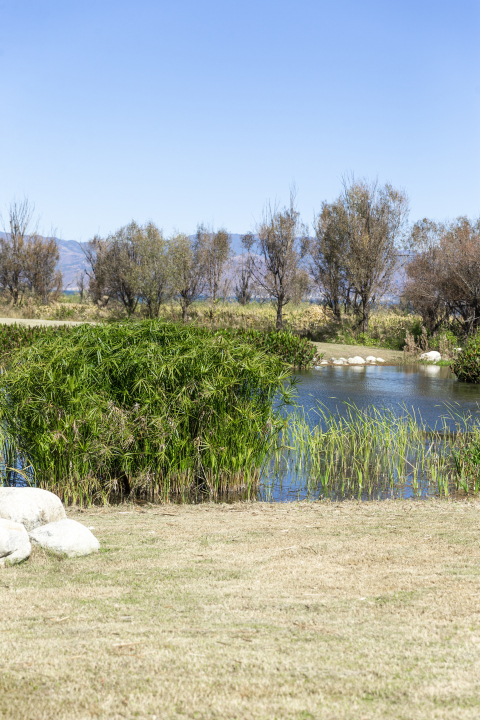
(72, 261)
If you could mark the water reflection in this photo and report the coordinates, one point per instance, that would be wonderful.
(377, 463)
(423, 389)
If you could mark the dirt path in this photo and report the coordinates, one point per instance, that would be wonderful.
(36, 323)
(331, 350)
(329, 611)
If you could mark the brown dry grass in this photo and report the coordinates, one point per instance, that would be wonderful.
(251, 611)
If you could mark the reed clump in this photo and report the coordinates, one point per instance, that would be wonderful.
(149, 409)
(376, 453)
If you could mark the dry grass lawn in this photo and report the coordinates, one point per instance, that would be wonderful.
(298, 611)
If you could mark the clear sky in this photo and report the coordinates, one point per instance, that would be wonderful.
(188, 111)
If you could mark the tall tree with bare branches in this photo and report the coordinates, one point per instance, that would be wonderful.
(28, 261)
(186, 262)
(244, 284)
(326, 255)
(279, 236)
(215, 250)
(373, 220)
(42, 274)
(13, 246)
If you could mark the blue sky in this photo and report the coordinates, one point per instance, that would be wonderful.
(193, 111)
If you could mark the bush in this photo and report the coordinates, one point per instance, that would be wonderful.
(13, 337)
(296, 351)
(467, 365)
(141, 409)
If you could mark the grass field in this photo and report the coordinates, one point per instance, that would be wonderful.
(320, 610)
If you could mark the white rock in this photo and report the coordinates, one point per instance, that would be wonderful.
(357, 360)
(65, 537)
(433, 356)
(458, 349)
(31, 507)
(380, 360)
(340, 361)
(324, 362)
(14, 543)
(371, 359)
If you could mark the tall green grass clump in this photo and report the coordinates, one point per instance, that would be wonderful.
(147, 410)
(13, 337)
(374, 453)
(467, 366)
(297, 351)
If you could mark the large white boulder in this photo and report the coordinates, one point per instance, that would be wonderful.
(371, 359)
(380, 360)
(66, 537)
(433, 356)
(357, 360)
(340, 361)
(14, 543)
(31, 507)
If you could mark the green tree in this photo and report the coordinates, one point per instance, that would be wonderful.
(188, 275)
(215, 250)
(372, 220)
(279, 234)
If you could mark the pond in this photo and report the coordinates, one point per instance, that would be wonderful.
(369, 458)
(424, 389)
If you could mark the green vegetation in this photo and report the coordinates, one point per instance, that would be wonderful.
(294, 350)
(467, 365)
(374, 453)
(14, 337)
(145, 409)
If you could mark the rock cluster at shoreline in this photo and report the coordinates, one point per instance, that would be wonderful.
(356, 360)
(31, 515)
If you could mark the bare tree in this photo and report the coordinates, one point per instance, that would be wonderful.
(278, 242)
(28, 261)
(81, 278)
(215, 249)
(42, 274)
(244, 284)
(186, 258)
(373, 221)
(443, 274)
(326, 254)
(96, 252)
(301, 286)
(154, 277)
(13, 246)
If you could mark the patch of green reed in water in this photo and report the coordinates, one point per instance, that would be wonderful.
(149, 410)
(375, 453)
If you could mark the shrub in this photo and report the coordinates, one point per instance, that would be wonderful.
(467, 365)
(13, 337)
(296, 351)
(141, 409)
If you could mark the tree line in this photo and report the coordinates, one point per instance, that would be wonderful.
(28, 261)
(360, 244)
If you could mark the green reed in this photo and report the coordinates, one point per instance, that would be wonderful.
(149, 409)
(377, 453)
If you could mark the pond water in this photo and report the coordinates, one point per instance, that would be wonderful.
(430, 393)
(424, 389)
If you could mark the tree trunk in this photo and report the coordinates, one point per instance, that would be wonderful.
(279, 323)
(365, 316)
(336, 309)
(184, 313)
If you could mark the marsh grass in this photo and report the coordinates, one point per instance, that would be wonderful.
(375, 453)
(146, 410)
